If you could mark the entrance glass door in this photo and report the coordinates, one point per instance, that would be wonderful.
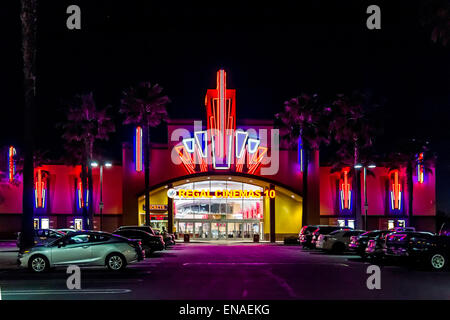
(218, 230)
(202, 230)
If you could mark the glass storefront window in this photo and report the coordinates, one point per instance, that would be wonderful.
(351, 223)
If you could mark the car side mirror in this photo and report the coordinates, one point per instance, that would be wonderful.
(61, 244)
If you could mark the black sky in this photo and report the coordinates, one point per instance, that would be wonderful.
(270, 52)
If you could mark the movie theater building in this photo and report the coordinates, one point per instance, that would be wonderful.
(220, 178)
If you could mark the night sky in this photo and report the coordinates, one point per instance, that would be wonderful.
(270, 53)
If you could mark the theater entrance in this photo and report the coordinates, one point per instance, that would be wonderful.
(220, 230)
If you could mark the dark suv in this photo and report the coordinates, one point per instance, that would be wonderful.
(150, 242)
(325, 230)
(168, 240)
(424, 247)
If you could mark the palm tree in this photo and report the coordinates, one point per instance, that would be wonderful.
(28, 17)
(305, 117)
(145, 106)
(406, 157)
(85, 126)
(352, 131)
(435, 14)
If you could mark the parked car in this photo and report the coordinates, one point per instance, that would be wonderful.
(400, 229)
(169, 238)
(84, 248)
(445, 229)
(67, 230)
(325, 230)
(305, 235)
(150, 242)
(424, 247)
(146, 229)
(41, 236)
(375, 247)
(337, 241)
(358, 244)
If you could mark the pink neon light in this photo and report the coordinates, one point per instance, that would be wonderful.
(138, 155)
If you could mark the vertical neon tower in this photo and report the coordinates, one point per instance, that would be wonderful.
(221, 121)
(396, 192)
(345, 190)
(138, 149)
(39, 190)
(420, 168)
(80, 195)
(11, 163)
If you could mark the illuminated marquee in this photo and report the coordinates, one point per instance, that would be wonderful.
(40, 190)
(205, 193)
(395, 191)
(345, 190)
(229, 148)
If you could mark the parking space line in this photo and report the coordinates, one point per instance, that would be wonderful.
(65, 291)
(264, 263)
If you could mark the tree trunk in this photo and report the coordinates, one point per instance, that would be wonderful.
(357, 184)
(90, 197)
(147, 173)
(410, 186)
(29, 26)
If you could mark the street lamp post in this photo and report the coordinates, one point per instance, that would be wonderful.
(366, 205)
(108, 165)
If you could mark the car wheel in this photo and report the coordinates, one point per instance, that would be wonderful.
(115, 262)
(38, 263)
(438, 261)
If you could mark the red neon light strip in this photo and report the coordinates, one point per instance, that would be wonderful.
(256, 161)
(186, 159)
(12, 152)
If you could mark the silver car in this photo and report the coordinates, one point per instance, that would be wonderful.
(337, 241)
(84, 248)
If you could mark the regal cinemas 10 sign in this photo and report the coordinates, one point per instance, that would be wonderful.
(204, 193)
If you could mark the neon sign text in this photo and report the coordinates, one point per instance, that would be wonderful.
(204, 193)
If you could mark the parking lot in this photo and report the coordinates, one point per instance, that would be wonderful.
(229, 271)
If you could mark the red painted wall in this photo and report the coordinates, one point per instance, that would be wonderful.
(424, 196)
(62, 191)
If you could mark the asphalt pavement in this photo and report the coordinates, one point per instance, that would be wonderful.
(228, 271)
